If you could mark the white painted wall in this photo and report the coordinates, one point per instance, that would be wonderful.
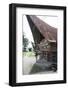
(4, 44)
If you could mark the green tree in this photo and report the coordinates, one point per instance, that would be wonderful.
(25, 42)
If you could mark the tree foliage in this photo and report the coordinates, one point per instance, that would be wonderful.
(25, 42)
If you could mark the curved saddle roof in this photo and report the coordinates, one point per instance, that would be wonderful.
(47, 31)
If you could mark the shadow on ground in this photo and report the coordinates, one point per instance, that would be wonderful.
(41, 67)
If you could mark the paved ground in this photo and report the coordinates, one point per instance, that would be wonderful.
(45, 72)
(28, 64)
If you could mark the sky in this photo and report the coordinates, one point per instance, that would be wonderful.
(51, 20)
(27, 31)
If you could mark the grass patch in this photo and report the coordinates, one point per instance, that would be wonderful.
(29, 54)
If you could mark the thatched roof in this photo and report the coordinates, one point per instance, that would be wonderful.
(47, 31)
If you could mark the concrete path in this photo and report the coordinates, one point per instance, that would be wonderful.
(28, 63)
(30, 66)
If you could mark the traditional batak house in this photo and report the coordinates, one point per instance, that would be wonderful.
(45, 38)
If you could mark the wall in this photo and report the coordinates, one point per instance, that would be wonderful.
(4, 43)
